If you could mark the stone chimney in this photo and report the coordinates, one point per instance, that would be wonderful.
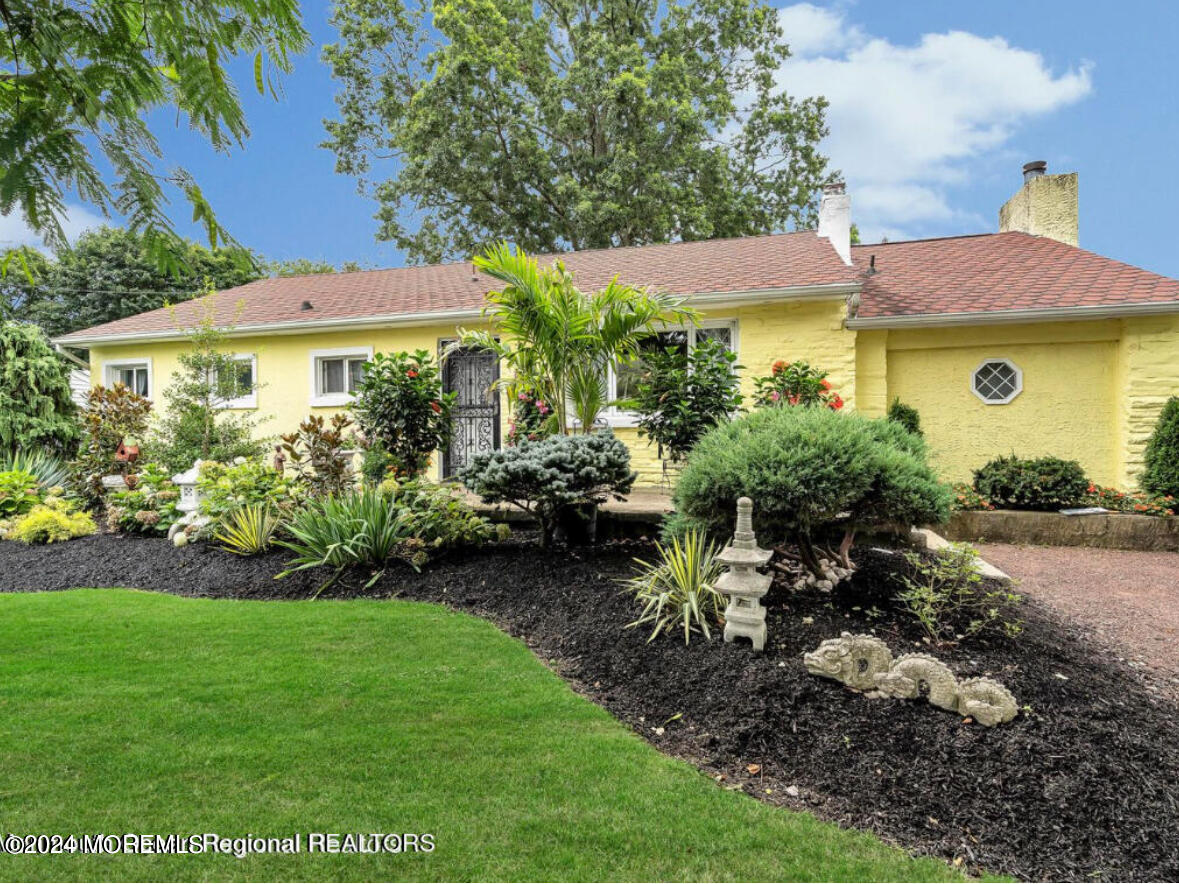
(835, 219)
(1046, 205)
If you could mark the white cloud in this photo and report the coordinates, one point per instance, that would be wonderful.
(15, 232)
(909, 123)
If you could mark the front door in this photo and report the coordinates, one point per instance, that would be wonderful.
(475, 418)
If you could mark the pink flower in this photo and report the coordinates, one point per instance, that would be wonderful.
(775, 395)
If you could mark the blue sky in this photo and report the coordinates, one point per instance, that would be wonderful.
(935, 106)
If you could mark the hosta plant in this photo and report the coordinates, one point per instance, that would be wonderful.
(679, 590)
(19, 492)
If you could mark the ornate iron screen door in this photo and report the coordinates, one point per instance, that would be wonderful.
(475, 418)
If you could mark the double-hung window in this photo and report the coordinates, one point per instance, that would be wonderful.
(336, 374)
(241, 389)
(134, 374)
(623, 377)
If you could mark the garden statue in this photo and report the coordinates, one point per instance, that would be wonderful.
(190, 501)
(913, 676)
(865, 663)
(855, 660)
(742, 582)
(986, 701)
(280, 461)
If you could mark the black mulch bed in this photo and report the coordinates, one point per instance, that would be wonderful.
(1084, 786)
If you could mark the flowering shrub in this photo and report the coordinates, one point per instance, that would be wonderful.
(1139, 503)
(966, 498)
(227, 487)
(151, 507)
(1045, 483)
(532, 419)
(795, 383)
(400, 404)
(19, 493)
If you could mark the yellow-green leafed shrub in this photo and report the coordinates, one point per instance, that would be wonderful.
(49, 523)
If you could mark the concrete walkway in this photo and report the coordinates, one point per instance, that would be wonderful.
(1130, 599)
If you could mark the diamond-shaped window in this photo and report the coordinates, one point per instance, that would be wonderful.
(997, 381)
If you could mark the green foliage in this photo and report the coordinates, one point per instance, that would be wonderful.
(1160, 474)
(151, 507)
(400, 403)
(317, 453)
(19, 492)
(557, 340)
(225, 488)
(53, 521)
(578, 125)
(795, 383)
(964, 497)
(36, 410)
(82, 78)
(809, 471)
(1139, 504)
(111, 415)
(679, 591)
(906, 416)
(195, 425)
(946, 594)
(1044, 483)
(438, 515)
(366, 529)
(682, 395)
(248, 530)
(109, 273)
(544, 477)
(531, 418)
(308, 267)
(49, 469)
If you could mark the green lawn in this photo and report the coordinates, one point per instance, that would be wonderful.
(123, 711)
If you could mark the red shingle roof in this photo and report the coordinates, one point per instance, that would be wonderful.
(720, 265)
(993, 272)
(988, 273)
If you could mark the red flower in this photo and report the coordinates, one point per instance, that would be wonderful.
(779, 366)
(825, 384)
(836, 403)
(411, 374)
(437, 408)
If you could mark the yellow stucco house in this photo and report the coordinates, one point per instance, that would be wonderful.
(1011, 341)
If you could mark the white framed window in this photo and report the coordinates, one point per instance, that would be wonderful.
(997, 381)
(243, 386)
(134, 374)
(336, 374)
(622, 378)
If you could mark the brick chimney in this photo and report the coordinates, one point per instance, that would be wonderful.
(1046, 205)
(835, 219)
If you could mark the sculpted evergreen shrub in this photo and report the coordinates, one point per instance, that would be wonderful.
(810, 472)
(36, 410)
(906, 416)
(1161, 473)
(544, 477)
(1044, 483)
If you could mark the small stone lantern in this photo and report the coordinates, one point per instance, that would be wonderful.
(742, 582)
(190, 500)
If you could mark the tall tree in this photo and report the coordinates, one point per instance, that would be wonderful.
(76, 75)
(110, 273)
(36, 410)
(571, 123)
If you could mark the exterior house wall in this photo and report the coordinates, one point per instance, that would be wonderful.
(1068, 407)
(1148, 375)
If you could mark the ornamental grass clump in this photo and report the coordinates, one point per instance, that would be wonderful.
(813, 474)
(550, 476)
(679, 591)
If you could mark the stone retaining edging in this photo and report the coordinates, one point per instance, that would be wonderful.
(1104, 530)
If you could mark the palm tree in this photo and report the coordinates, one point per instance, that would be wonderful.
(558, 341)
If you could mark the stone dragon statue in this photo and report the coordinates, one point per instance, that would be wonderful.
(865, 663)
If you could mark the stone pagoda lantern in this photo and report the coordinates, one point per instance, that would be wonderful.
(741, 581)
(190, 500)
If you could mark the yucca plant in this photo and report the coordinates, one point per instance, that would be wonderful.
(248, 530)
(363, 528)
(679, 591)
(50, 470)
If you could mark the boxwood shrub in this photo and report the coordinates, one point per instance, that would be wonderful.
(1043, 483)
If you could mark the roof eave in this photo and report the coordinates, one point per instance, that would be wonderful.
(1000, 317)
(295, 327)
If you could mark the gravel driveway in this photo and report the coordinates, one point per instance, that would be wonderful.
(1130, 599)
